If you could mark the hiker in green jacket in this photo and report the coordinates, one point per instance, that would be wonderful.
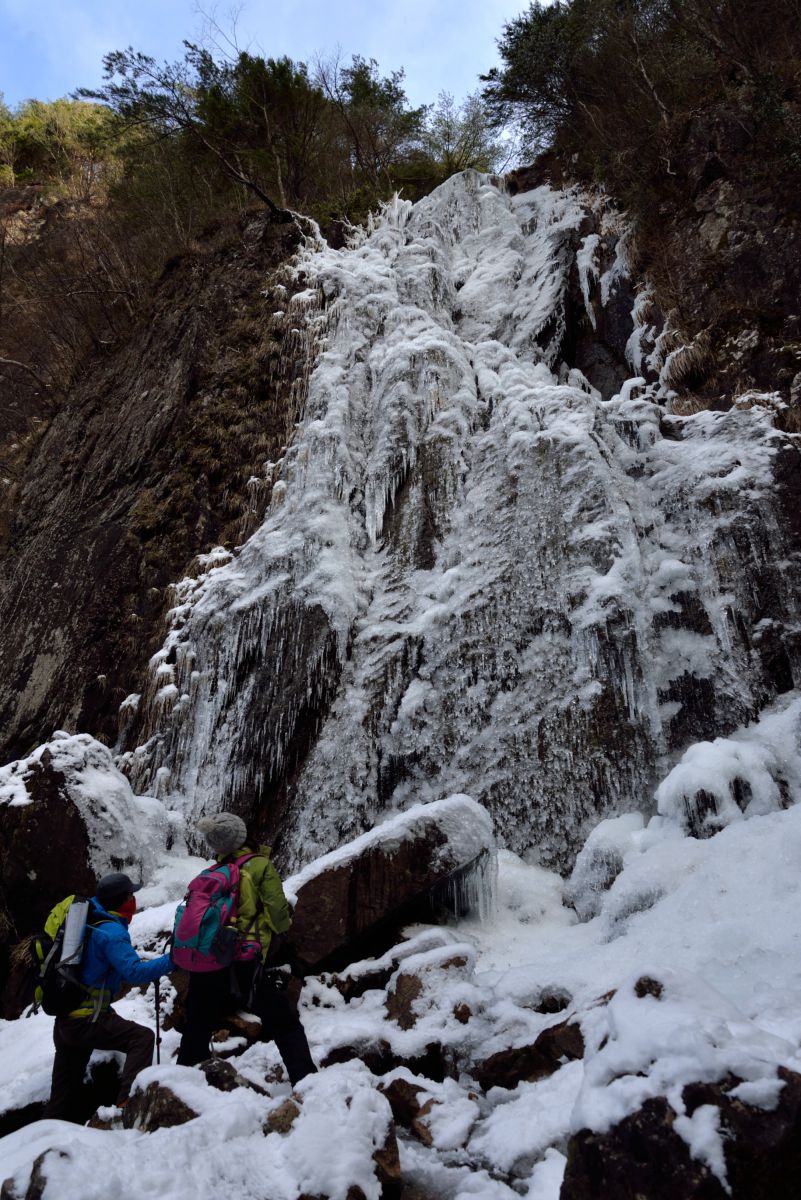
(262, 913)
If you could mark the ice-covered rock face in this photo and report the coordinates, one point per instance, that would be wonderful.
(473, 577)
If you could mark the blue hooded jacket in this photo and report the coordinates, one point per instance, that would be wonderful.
(109, 959)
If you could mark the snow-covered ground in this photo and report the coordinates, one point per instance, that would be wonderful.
(714, 921)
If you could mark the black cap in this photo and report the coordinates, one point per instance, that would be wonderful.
(114, 887)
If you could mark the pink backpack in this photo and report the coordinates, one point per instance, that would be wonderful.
(205, 937)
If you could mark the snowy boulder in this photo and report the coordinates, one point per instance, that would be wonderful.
(436, 1114)
(67, 816)
(671, 1066)
(736, 1148)
(224, 1077)
(423, 981)
(34, 1188)
(338, 1131)
(357, 898)
(753, 772)
(600, 861)
(156, 1107)
(508, 1068)
(375, 973)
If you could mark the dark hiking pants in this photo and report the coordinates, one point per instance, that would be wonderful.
(212, 994)
(75, 1038)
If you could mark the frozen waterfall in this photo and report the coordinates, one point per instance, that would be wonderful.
(476, 574)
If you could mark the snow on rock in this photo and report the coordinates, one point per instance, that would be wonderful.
(516, 1134)
(697, 938)
(123, 830)
(465, 828)
(67, 816)
(439, 852)
(600, 861)
(661, 1031)
(480, 576)
(329, 1149)
(755, 771)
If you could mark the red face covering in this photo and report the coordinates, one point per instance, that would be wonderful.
(127, 909)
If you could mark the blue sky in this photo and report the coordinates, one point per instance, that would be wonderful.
(50, 47)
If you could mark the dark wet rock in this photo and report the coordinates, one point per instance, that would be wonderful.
(410, 1104)
(156, 1107)
(48, 845)
(351, 987)
(508, 1068)
(762, 1147)
(553, 1000)
(435, 1063)
(643, 1158)
(401, 997)
(645, 986)
(404, 1098)
(387, 1166)
(46, 839)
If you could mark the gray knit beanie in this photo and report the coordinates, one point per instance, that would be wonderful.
(224, 832)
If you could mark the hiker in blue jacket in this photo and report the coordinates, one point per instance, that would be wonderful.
(109, 960)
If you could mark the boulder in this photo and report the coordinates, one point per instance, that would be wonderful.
(362, 1143)
(407, 987)
(508, 1068)
(67, 815)
(155, 1107)
(355, 900)
(224, 1077)
(375, 973)
(641, 1158)
(425, 973)
(644, 1158)
(37, 1182)
(434, 1063)
(410, 1103)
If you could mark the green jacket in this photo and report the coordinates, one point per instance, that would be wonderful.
(262, 909)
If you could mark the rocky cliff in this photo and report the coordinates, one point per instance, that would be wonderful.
(494, 556)
(145, 464)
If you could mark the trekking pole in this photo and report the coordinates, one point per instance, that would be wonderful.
(158, 1023)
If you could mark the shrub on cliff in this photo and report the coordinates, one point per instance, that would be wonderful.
(614, 86)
